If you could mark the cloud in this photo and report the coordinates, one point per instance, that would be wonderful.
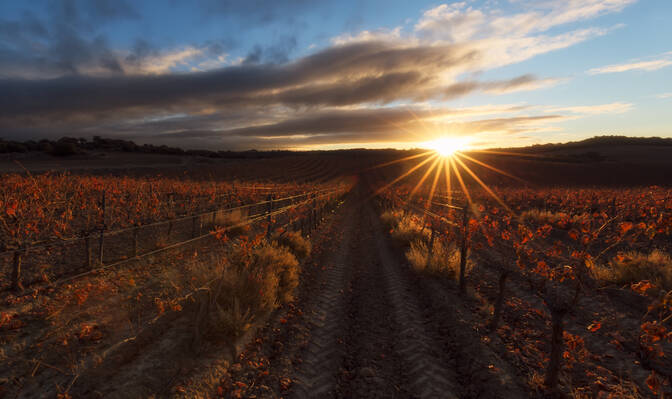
(366, 126)
(663, 61)
(460, 22)
(612, 108)
(522, 83)
(367, 86)
(664, 95)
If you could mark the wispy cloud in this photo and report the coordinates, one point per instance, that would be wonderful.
(659, 62)
(664, 95)
(611, 108)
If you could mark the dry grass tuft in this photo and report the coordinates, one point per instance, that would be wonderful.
(390, 219)
(233, 220)
(547, 217)
(445, 259)
(633, 267)
(408, 230)
(296, 243)
(256, 282)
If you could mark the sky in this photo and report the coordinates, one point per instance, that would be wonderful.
(302, 74)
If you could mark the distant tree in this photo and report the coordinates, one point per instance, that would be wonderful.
(65, 148)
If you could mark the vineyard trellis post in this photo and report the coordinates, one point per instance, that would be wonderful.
(463, 247)
(87, 248)
(314, 212)
(554, 364)
(269, 209)
(135, 242)
(16, 272)
(500, 300)
(430, 250)
(171, 208)
(102, 232)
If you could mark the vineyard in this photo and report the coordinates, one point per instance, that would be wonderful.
(590, 266)
(91, 264)
(331, 275)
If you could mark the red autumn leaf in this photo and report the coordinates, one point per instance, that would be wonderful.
(625, 227)
(594, 326)
(641, 287)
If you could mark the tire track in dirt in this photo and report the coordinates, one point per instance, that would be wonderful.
(372, 367)
(428, 376)
(387, 351)
(316, 376)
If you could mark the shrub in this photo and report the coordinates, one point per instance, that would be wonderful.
(296, 243)
(633, 267)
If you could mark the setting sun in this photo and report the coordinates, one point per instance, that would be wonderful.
(447, 146)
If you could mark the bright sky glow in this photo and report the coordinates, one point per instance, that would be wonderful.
(447, 146)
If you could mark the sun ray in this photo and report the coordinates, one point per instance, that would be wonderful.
(408, 158)
(515, 154)
(485, 186)
(437, 175)
(424, 177)
(413, 169)
(491, 167)
(448, 182)
(461, 181)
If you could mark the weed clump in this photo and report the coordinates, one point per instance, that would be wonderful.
(560, 219)
(633, 267)
(390, 219)
(444, 259)
(295, 242)
(407, 230)
(233, 221)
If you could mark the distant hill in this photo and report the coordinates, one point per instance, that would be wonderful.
(597, 141)
(599, 149)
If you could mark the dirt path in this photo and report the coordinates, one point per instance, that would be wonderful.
(360, 328)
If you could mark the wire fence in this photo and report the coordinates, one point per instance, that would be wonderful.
(72, 258)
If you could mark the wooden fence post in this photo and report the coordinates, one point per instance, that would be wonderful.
(16, 272)
(463, 247)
